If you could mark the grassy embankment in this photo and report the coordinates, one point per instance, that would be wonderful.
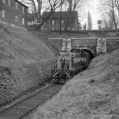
(92, 94)
(22, 46)
(21, 55)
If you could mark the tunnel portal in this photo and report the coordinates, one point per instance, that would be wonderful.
(91, 54)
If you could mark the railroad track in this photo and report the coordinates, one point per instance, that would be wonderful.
(21, 109)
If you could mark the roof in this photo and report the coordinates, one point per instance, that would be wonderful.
(22, 3)
(64, 14)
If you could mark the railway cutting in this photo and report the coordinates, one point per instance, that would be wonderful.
(21, 109)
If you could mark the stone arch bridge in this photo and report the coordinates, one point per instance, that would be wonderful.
(93, 45)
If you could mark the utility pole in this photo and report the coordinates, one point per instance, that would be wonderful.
(61, 17)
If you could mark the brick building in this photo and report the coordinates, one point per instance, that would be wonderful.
(13, 12)
(66, 20)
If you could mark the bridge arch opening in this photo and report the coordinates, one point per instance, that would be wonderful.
(91, 54)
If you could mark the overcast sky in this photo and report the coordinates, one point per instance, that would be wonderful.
(92, 8)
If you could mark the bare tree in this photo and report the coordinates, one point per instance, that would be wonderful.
(52, 6)
(110, 7)
(35, 7)
(47, 5)
(76, 4)
(40, 2)
(107, 22)
(116, 3)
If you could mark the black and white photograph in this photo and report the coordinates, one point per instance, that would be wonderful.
(59, 59)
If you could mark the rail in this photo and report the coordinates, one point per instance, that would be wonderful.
(25, 106)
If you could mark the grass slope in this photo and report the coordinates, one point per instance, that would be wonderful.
(44, 35)
(21, 56)
(92, 94)
(21, 46)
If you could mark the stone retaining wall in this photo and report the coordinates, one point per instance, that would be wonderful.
(112, 42)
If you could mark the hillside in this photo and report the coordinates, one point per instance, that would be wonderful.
(20, 45)
(92, 94)
(21, 56)
(44, 35)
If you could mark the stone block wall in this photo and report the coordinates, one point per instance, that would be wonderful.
(112, 42)
(84, 41)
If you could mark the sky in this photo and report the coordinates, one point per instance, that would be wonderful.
(92, 8)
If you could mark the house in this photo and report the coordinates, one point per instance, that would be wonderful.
(33, 19)
(13, 12)
(65, 20)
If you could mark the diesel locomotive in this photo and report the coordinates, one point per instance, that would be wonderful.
(69, 63)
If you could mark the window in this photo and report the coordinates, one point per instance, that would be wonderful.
(16, 18)
(53, 22)
(22, 9)
(3, 1)
(16, 5)
(62, 22)
(9, 2)
(3, 13)
(22, 21)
